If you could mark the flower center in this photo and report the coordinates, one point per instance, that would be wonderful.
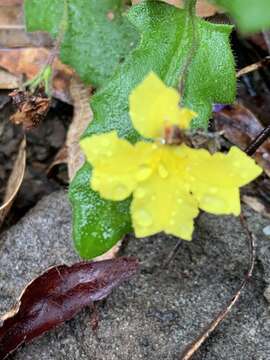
(173, 135)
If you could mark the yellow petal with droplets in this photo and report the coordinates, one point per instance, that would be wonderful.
(163, 201)
(117, 164)
(153, 105)
(215, 179)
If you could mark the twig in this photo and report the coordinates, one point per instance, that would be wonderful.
(250, 68)
(195, 345)
(266, 36)
(172, 254)
(258, 141)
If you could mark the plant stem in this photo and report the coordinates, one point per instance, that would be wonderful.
(258, 141)
(190, 6)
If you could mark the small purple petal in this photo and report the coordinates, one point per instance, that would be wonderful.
(219, 107)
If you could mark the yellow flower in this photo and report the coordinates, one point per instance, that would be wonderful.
(169, 183)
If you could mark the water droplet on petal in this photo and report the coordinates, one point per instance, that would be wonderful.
(144, 218)
(143, 172)
(172, 222)
(213, 190)
(96, 151)
(140, 193)
(179, 200)
(120, 191)
(163, 172)
(208, 199)
(96, 182)
(236, 164)
(243, 175)
(105, 142)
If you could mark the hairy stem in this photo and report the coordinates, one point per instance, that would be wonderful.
(190, 6)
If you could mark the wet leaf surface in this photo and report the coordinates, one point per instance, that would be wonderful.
(58, 295)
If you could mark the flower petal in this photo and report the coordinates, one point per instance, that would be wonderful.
(153, 105)
(163, 204)
(215, 179)
(113, 160)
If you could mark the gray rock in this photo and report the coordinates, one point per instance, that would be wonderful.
(160, 311)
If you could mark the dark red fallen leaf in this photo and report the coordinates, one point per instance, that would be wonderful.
(59, 294)
(240, 126)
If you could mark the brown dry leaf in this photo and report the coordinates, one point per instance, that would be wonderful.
(257, 205)
(204, 9)
(240, 126)
(82, 116)
(8, 81)
(58, 295)
(257, 195)
(12, 29)
(60, 158)
(14, 182)
(30, 61)
(11, 2)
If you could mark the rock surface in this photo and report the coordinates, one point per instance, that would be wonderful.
(160, 311)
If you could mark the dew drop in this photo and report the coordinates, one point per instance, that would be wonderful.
(236, 164)
(213, 190)
(96, 151)
(120, 191)
(143, 218)
(143, 172)
(95, 182)
(105, 142)
(172, 222)
(109, 153)
(243, 175)
(140, 193)
(208, 199)
(180, 201)
(163, 172)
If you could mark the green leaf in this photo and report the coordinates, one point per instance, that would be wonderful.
(98, 224)
(97, 38)
(250, 15)
(166, 42)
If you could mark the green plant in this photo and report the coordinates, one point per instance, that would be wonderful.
(114, 47)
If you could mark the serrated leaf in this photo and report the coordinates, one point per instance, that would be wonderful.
(166, 42)
(250, 15)
(97, 38)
